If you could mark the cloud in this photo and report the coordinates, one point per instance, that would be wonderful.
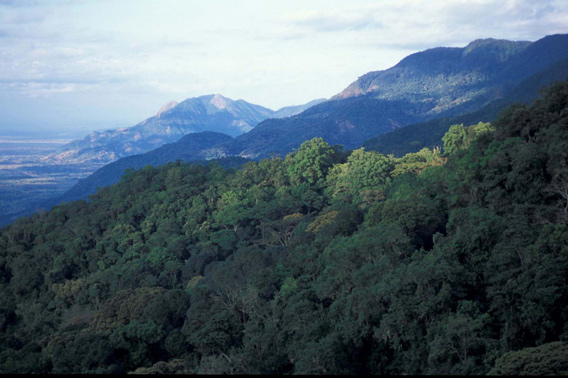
(18, 3)
(275, 52)
(334, 20)
(35, 89)
(417, 23)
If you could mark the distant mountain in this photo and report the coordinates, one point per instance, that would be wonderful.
(436, 83)
(174, 120)
(440, 82)
(289, 111)
(196, 148)
(348, 122)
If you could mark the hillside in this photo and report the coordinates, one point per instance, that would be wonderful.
(348, 122)
(413, 138)
(323, 262)
(190, 148)
(461, 80)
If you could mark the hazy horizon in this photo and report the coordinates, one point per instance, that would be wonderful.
(72, 67)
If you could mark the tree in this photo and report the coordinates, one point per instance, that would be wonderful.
(311, 162)
(455, 139)
(362, 171)
(547, 359)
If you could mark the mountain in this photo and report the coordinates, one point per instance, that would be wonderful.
(439, 82)
(435, 83)
(348, 122)
(174, 120)
(461, 79)
(413, 138)
(289, 111)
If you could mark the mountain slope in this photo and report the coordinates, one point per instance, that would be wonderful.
(461, 79)
(174, 120)
(289, 111)
(190, 148)
(435, 83)
(348, 122)
(429, 134)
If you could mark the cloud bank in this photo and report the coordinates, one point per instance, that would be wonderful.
(121, 59)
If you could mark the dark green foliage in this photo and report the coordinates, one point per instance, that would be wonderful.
(325, 262)
(547, 359)
(454, 139)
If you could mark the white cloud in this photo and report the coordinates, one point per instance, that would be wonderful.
(143, 52)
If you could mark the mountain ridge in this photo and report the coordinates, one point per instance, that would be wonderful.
(212, 112)
(435, 92)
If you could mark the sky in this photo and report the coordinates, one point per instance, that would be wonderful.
(68, 67)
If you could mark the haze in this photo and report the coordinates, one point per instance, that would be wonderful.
(70, 67)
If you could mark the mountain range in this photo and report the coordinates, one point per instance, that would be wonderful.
(174, 120)
(429, 134)
(398, 110)
(440, 82)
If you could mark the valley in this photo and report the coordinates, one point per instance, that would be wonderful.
(26, 181)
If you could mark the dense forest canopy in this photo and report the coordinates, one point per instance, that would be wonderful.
(327, 261)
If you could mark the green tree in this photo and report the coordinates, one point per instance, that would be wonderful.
(455, 139)
(311, 162)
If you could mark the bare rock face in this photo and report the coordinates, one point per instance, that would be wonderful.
(169, 105)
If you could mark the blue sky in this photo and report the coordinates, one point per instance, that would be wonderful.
(71, 66)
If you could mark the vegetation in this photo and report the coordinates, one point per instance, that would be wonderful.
(414, 137)
(323, 262)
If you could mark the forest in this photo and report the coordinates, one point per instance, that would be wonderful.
(326, 261)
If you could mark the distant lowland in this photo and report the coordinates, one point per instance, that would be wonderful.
(398, 110)
(25, 181)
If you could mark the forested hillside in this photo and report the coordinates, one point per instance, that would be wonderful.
(414, 137)
(326, 261)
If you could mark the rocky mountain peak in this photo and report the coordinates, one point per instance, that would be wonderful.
(219, 101)
(169, 105)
